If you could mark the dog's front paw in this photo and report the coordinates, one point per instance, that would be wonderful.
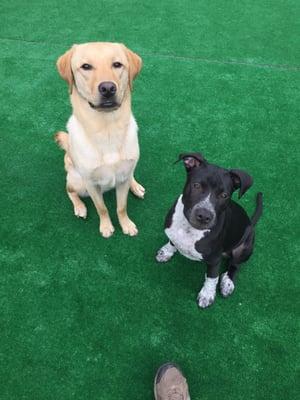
(80, 211)
(129, 228)
(205, 298)
(106, 229)
(162, 256)
(207, 294)
(165, 253)
(137, 189)
(226, 285)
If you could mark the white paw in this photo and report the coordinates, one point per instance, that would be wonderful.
(165, 253)
(80, 211)
(129, 228)
(138, 190)
(226, 285)
(205, 298)
(207, 294)
(106, 229)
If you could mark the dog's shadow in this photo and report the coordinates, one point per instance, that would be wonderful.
(187, 274)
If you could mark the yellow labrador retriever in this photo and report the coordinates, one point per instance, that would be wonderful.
(102, 147)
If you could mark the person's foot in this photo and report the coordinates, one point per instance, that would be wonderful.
(170, 384)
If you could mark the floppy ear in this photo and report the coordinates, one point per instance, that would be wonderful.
(241, 180)
(135, 65)
(191, 160)
(64, 67)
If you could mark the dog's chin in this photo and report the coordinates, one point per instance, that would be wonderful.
(106, 106)
(201, 227)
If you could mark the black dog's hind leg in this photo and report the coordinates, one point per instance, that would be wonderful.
(228, 278)
(207, 294)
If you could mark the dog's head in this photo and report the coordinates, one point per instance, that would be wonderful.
(208, 189)
(101, 72)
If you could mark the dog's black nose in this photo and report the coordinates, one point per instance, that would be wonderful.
(107, 89)
(204, 216)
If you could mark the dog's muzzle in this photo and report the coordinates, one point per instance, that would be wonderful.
(201, 218)
(107, 91)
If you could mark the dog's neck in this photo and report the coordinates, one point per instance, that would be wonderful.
(94, 121)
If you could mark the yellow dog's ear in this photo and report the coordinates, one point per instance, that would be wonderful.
(135, 65)
(63, 65)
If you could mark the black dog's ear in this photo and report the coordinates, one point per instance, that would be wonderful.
(191, 160)
(241, 180)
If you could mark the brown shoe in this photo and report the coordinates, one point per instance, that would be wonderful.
(170, 384)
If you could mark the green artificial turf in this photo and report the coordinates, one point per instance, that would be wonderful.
(82, 317)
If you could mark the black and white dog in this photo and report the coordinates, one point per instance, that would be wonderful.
(205, 224)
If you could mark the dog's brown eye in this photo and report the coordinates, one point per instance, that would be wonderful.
(117, 64)
(86, 67)
(197, 185)
(224, 195)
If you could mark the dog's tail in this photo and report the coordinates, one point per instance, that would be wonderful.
(62, 139)
(259, 209)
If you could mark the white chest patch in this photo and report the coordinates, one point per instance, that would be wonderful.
(183, 235)
(106, 158)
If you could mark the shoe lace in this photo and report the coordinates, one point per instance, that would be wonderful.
(175, 394)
